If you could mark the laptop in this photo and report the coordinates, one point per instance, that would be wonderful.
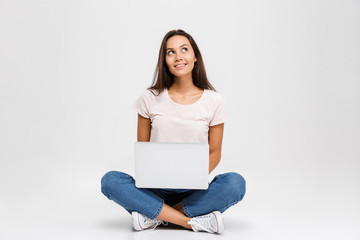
(172, 165)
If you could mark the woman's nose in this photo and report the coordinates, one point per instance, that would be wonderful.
(178, 56)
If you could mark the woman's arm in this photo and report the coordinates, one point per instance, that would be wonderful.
(143, 129)
(215, 141)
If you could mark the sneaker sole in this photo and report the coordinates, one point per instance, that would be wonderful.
(136, 224)
(219, 221)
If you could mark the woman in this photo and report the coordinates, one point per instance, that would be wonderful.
(180, 106)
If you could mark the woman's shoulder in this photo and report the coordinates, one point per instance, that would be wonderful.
(150, 94)
(213, 95)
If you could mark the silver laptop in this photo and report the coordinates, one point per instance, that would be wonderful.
(171, 165)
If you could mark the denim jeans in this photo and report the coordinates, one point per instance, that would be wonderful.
(224, 191)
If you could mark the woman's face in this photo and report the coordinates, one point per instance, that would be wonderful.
(180, 57)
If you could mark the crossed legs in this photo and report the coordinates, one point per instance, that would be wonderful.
(224, 191)
(174, 215)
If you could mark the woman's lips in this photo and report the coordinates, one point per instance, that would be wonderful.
(180, 66)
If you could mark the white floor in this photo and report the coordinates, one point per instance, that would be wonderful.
(238, 225)
(31, 209)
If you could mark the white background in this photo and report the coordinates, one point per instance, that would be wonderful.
(289, 72)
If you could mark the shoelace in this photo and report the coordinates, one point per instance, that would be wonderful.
(159, 223)
(203, 225)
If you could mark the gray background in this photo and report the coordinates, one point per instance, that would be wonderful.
(289, 72)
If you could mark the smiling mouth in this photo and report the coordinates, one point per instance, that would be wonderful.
(179, 66)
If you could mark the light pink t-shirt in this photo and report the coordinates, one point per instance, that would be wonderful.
(174, 122)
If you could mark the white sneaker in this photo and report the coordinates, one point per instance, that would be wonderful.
(142, 222)
(212, 223)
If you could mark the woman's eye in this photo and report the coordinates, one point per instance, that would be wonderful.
(184, 49)
(170, 52)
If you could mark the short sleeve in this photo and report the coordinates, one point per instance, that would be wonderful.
(142, 104)
(220, 114)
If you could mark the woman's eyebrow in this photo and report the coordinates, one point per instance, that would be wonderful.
(179, 47)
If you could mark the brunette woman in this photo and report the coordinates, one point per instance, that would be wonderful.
(180, 106)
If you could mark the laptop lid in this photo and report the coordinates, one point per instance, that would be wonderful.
(172, 165)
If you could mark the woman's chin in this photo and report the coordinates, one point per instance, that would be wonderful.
(182, 74)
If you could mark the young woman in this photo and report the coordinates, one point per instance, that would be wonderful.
(180, 106)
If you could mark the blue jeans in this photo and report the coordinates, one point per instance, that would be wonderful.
(224, 191)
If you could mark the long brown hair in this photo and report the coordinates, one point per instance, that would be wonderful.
(162, 76)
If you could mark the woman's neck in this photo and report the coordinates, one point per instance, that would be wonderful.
(183, 85)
